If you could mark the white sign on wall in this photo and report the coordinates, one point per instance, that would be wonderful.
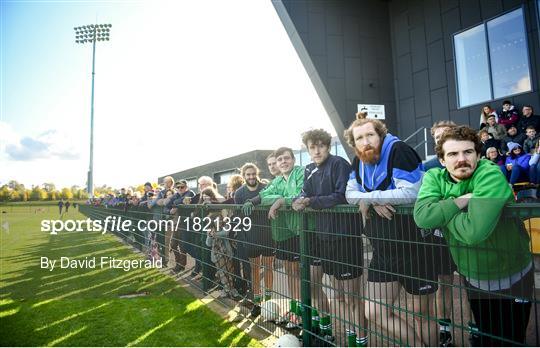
(373, 110)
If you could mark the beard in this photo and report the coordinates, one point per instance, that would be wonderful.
(253, 183)
(369, 154)
(460, 175)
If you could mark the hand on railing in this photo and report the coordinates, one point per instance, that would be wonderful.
(300, 204)
(273, 212)
(385, 211)
(247, 208)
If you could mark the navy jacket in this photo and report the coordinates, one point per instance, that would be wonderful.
(325, 186)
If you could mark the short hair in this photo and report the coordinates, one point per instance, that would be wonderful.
(168, 178)
(316, 136)
(270, 155)
(442, 124)
(212, 193)
(379, 126)
(482, 132)
(528, 106)
(459, 133)
(236, 180)
(506, 102)
(530, 127)
(247, 166)
(489, 149)
(282, 150)
(205, 178)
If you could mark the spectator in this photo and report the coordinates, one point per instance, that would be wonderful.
(272, 165)
(528, 119)
(235, 181)
(336, 248)
(219, 240)
(530, 142)
(492, 154)
(147, 191)
(178, 243)
(436, 131)
(466, 200)
(486, 112)
(284, 227)
(509, 115)
(255, 245)
(534, 164)
(512, 137)
(487, 141)
(387, 172)
(516, 167)
(496, 130)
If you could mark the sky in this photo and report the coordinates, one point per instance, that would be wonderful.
(179, 84)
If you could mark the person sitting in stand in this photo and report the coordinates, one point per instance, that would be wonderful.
(487, 141)
(487, 111)
(512, 136)
(534, 165)
(516, 166)
(509, 115)
(496, 130)
(530, 143)
(494, 156)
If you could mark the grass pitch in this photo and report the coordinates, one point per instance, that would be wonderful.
(83, 307)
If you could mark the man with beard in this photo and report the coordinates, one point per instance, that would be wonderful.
(335, 245)
(279, 192)
(387, 172)
(466, 200)
(256, 244)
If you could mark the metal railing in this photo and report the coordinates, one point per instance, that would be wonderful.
(336, 281)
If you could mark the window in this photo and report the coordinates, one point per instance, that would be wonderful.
(223, 177)
(501, 73)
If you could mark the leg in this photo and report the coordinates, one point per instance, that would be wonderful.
(268, 273)
(515, 174)
(381, 297)
(354, 307)
(255, 264)
(292, 270)
(318, 297)
(425, 327)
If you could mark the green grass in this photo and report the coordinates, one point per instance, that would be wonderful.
(81, 307)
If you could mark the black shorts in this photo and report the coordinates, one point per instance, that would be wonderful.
(289, 249)
(401, 254)
(256, 242)
(441, 254)
(342, 257)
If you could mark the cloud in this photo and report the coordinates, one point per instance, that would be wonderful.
(50, 144)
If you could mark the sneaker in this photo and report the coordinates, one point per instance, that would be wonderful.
(445, 339)
(255, 311)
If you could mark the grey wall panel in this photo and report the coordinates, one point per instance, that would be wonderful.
(452, 91)
(351, 35)
(401, 32)
(439, 104)
(334, 52)
(437, 67)
(404, 75)
(418, 49)
(470, 12)
(317, 34)
(490, 8)
(406, 119)
(451, 25)
(433, 22)
(422, 104)
(447, 5)
(461, 117)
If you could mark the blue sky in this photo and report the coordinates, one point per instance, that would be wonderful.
(181, 83)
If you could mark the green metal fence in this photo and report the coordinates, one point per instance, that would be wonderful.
(340, 301)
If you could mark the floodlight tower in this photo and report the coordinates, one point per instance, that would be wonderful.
(92, 33)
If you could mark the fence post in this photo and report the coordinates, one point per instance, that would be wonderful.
(305, 291)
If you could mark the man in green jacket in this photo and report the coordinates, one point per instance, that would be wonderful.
(465, 200)
(285, 226)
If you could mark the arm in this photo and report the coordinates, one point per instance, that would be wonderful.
(431, 209)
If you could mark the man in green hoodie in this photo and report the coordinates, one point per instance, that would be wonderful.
(465, 199)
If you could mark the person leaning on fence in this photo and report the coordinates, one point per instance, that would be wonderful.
(255, 245)
(388, 172)
(285, 225)
(178, 240)
(335, 248)
(466, 200)
(272, 165)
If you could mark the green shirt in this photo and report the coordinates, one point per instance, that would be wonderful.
(286, 225)
(484, 245)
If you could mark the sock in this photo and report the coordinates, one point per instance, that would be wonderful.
(267, 294)
(444, 324)
(315, 320)
(257, 298)
(361, 341)
(293, 306)
(351, 338)
(325, 326)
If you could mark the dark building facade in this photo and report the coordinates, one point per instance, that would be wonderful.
(221, 170)
(407, 54)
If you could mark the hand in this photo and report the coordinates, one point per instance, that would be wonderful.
(247, 208)
(173, 211)
(300, 204)
(363, 209)
(273, 212)
(187, 200)
(385, 211)
(509, 167)
(463, 201)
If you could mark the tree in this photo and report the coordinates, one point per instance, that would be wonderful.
(49, 187)
(5, 193)
(66, 193)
